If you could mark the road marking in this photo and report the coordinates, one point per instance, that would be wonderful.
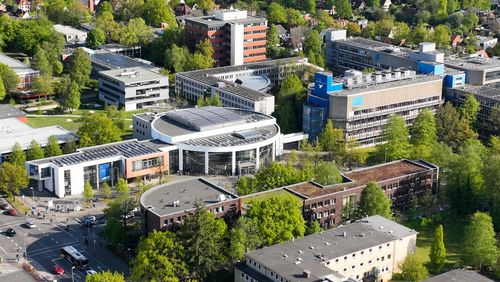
(52, 248)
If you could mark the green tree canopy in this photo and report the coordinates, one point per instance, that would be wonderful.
(273, 40)
(35, 151)
(480, 244)
(41, 62)
(3, 91)
(53, 149)
(159, 258)
(71, 99)
(96, 38)
(326, 173)
(441, 36)
(313, 48)
(374, 201)
(70, 146)
(469, 109)
(156, 12)
(451, 128)
(17, 155)
(395, 134)
(333, 141)
(313, 227)
(9, 78)
(243, 237)
(423, 134)
(88, 192)
(438, 250)
(401, 32)
(105, 276)
(115, 232)
(79, 67)
(43, 85)
(98, 129)
(412, 270)
(106, 190)
(276, 13)
(343, 9)
(13, 178)
(122, 187)
(280, 218)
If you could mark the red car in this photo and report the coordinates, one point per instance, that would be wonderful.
(12, 212)
(58, 270)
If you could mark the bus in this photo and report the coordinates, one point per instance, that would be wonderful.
(78, 260)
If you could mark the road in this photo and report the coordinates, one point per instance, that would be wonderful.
(43, 244)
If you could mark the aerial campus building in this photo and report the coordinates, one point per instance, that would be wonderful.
(243, 87)
(236, 37)
(103, 60)
(361, 104)
(166, 206)
(370, 249)
(26, 74)
(476, 70)
(132, 88)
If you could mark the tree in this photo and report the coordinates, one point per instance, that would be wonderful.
(280, 218)
(106, 190)
(35, 151)
(353, 29)
(451, 128)
(159, 258)
(41, 62)
(3, 92)
(438, 251)
(412, 270)
(243, 237)
(374, 201)
(120, 207)
(401, 32)
(423, 134)
(137, 32)
(71, 100)
(13, 178)
(290, 86)
(418, 34)
(493, 122)
(9, 77)
(492, 181)
(115, 233)
(480, 245)
(70, 146)
(294, 18)
(79, 67)
(313, 49)
(343, 9)
(96, 38)
(202, 236)
(441, 36)
(88, 192)
(395, 134)
(98, 129)
(273, 39)
(43, 85)
(313, 227)
(122, 187)
(327, 174)
(156, 12)
(105, 276)
(333, 141)
(52, 149)
(276, 13)
(176, 57)
(469, 109)
(17, 155)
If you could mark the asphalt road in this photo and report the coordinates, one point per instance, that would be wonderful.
(43, 244)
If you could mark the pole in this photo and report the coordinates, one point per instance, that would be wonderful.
(385, 156)
(33, 195)
(72, 274)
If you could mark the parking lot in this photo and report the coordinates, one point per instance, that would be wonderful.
(42, 245)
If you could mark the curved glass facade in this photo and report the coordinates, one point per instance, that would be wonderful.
(265, 155)
(220, 163)
(245, 162)
(193, 162)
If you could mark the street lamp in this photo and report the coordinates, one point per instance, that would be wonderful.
(33, 194)
(72, 274)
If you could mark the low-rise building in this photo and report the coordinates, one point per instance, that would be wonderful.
(72, 36)
(478, 70)
(485, 42)
(361, 104)
(66, 175)
(459, 275)
(370, 249)
(26, 74)
(166, 206)
(103, 60)
(243, 87)
(132, 88)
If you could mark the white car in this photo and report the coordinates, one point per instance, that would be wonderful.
(90, 272)
(30, 224)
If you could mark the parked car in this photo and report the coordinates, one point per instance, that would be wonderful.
(58, 270)
(86, 219)
(101, 220)
(90, 272)
(10, 232)
(11, 212)
(29, 224)
(4, 206)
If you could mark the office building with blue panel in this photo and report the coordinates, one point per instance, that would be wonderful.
(361, 103)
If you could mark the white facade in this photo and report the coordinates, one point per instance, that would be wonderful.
(484, 42)
(237, 38)
(71, 34)
(133, 88)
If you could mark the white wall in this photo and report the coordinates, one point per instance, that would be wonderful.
(237, 35)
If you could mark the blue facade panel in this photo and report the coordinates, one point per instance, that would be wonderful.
(454, 80)
(430, 68)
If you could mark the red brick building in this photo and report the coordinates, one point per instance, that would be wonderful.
(236, 37)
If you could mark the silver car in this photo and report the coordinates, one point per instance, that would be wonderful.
(30, 224)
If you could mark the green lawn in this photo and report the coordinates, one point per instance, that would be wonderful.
(453, 236)
(48, 121)
(261, 197)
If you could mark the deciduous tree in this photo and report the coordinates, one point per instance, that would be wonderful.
(412, 270)
(35, 151)
(52, 149)
(88, 191)
(326, 173)
(313, 227)
(96, 38)
(105, 276)
(373, 201)
(13, 178)
(9, 77)
(276, 13)
(451, 128)
(70, 146)
(397, 144)
(17, 155)
(343, 9)
(469, 109)
(156, 12)
(480, 245)
(98, 129)
(41, 62)
(243, 237)
(79, 67)
(438, 250)
(122, 187)
(423, 134)
(106, 190)
(71, 99)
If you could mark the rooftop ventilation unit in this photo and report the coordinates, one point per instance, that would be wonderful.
(307, 273)
(176, 203)
(221, 197)
(129, 73)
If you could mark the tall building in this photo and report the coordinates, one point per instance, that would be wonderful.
(367, 250)
(236, 37)
(133, 88)
(361, 104)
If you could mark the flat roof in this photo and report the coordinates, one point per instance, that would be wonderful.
(13, 130)
(17, 276)
(472, 63)
(212, 77)
(459, 275)
(387, 85)
(361, 177)
(8, 111)
(134, 74)
(187, 192)
(377, 46)
(127, 149)
(212, 21)
(117, 61)
(485, 91)
(65, 29)
(173, 124)
(314, 250)
(18, 67)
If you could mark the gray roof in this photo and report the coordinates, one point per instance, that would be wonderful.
(127, 149)
(472, 63)
(212, 21)
(117, 61)
(211, 78)
(314, 250)
(18, 67)
(134, 74)
(160, 198)
(388, 85)
(377, 46)
(8, 111)
(459, 275)
(485, 91)
(17, 276)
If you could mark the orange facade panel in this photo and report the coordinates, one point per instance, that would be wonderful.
(254, 59)
(133, 174)
(254, 51)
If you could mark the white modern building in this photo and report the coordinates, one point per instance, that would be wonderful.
(212, 140)
(485, 42)
(367, 250)
(72, 36)
(132, 88)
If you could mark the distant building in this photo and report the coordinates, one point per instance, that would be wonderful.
(236, 37)
(386, 4)
(182, 9)
(24, 5)
(459, 275)
(66, 175)
(129, 51)
(72, 36)
(456, 39)
(485, 42)
(167, 206)
(132, 88)
(370, 249)
(26, 74)
(243, 87)
(361, 104)
(103, 60)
